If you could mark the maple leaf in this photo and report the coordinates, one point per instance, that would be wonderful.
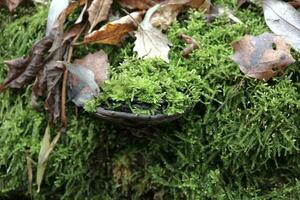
(86, 74)
(10, 4)
(150, 41)
(262, 57)
(98, 12)
(113, 32)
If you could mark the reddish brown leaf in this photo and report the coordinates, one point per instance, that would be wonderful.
(140, 5)
(10, 4)
(262, 57)
(192, 45)
(113, 32)
(98, 12)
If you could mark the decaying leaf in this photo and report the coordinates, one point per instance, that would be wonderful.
(262, 57)
(284, 20)
(150, 41)
(169, 10)
(23, 70)
(57, 31)
(113, 32)
(217, 11)
(295, 3)
(192, 45)
(47, 147)
(86, 75)
(140, 5)
(10, 4)
(56, 8)
(98, 12)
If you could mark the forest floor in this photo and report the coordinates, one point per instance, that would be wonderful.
(238, 143)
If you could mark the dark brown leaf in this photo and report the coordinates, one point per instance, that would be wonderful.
(24, 70)
(262, 57)
(192, 45)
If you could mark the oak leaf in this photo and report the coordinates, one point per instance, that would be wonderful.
(113, 32)
(150, 41)
(98, 12)
(262, 57)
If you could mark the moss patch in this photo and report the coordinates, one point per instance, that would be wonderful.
(241, 142)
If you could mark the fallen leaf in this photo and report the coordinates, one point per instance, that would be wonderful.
(140, 5)
(10, 4)
(244, 3)
(23, 70)
(284, 20)
(56, 8)
(150, 41)
(192, 45)
(262, 57)
(86, 75)
(169, 10)
(98, 12)
(57, 31)
(113, 32)
(295, 3)
(217, 11)
(47, 147)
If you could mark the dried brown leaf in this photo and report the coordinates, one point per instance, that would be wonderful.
(98, 12)
(23, 70)
(262, 57)
(295, 3)
(10, 4)
(192, 45)
(140, 5)
(113, 32)
(170, 9)
(86, 74)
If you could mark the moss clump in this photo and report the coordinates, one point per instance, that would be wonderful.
(241, 142)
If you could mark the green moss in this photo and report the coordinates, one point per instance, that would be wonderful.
(240, 142)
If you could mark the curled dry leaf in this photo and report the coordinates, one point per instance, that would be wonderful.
(23, 70)
(57, 31)
(192, 45)
(284, 20)
(170, 9)
(295, 3)
(10, 4)
(98, 12)
(262, 57)
(113, 32)
(151, 42)
(140, 5)
(217, 11)
(86, 74)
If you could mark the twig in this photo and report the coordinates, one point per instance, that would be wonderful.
(65, 78)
